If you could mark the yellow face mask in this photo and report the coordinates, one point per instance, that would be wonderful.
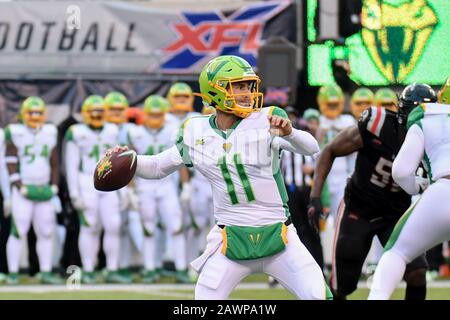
(181, 103)
(94, 117)
(116, 115)
(34, 118)
(155, 120)
(332, 108)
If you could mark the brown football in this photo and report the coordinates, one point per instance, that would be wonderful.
(115, 171)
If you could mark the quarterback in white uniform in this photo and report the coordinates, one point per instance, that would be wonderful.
(426, 223)
(85, 143)
(158, 199)
(33, 166)
(238, 151)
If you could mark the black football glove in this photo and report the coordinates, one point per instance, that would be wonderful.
(315, 212)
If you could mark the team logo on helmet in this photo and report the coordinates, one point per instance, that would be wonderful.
(395, 33)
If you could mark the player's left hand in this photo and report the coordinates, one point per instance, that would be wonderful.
(315, 212)
(279, 126)
(116, 149)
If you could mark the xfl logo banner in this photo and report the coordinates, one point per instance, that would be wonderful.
(203, 35)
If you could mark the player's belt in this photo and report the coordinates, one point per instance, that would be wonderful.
(286, 223)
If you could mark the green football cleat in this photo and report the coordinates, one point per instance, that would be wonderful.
(116, 277)
(181, 276)
(125, 272)
(50, 278)
(88, 278)
(150, 276)
(12, 278)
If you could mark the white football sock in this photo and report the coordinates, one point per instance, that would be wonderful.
(44, 249)
(111, 246)
(149, 253)
(389, 273)
(179, 251)
(89, 245)
(13, 251)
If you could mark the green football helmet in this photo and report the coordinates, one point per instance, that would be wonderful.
(155, 109)
(33, 112)
(444, 93)
(386, 98)
(93, 111)
(216, 81)
(361, 99)
(331, 101)
(116, 105)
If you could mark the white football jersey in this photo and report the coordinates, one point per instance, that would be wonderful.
(92, 144)
(434, 120)
(150, 142)
(34, 149)
(342, 166)
(242, 165)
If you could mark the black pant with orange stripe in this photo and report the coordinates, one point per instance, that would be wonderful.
(353, 239)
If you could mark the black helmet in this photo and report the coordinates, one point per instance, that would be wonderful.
(413, 95)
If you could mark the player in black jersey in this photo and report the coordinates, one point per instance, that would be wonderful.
(372, 203)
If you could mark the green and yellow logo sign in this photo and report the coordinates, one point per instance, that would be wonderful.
(400, 42)
(395, 34)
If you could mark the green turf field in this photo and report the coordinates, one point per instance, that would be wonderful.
(257, 294)
(253, 287)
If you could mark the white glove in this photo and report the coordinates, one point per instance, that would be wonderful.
(133, 199)
(186, 194)
(78, 203)
(124, 202)
(7, 207)
(422, 183)
(23, 190)
(57, 204)
(55, 189)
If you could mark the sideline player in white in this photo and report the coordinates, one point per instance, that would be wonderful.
(158, 198)
(33, 165)
(201, 209)
(116, 105)
(85, 142)
(330, 99)
(238, 151)
(181, 100)
(425, 224)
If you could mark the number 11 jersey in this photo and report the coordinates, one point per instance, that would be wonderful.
(242, 165)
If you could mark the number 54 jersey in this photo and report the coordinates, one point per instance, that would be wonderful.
(34, 149)
(242, 165)
(371, 190)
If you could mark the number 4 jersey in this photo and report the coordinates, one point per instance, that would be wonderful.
(371, 191)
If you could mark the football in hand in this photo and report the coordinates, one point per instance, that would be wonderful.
(115, 170)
